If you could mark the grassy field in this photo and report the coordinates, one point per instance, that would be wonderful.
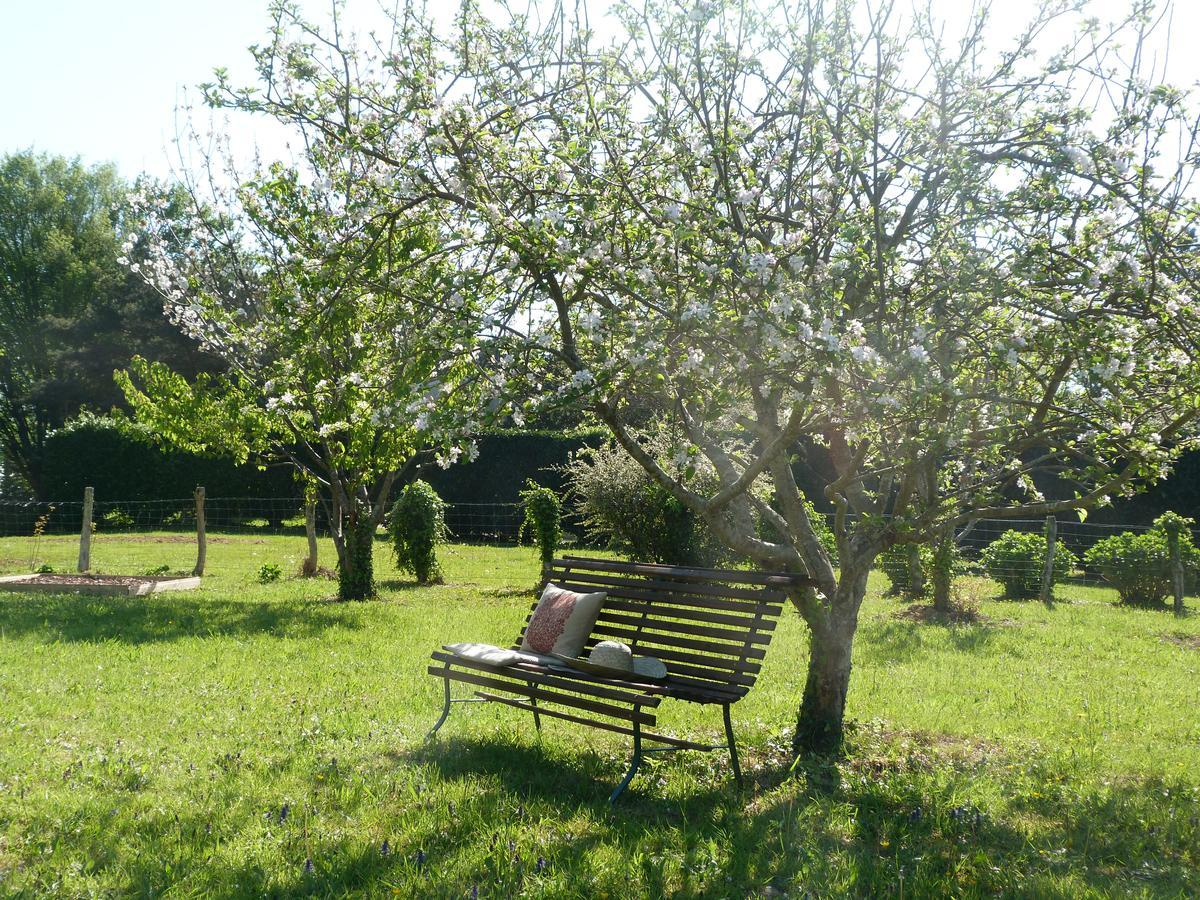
(258, 740)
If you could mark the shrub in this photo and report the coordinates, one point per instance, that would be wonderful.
(267, 573)
(417, 525)
(820, 526)
(620, 505)
(1139, 565)
(117, 518)
(1017, 560)
(896, 564)
(543, 519)
(357, 580)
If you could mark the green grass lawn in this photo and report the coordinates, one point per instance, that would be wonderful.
(251, 740)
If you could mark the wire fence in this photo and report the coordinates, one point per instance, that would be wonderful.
(497, 523)
(483, 522)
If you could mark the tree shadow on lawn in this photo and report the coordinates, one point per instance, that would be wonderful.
(875, 821)
(899, 641)
(165, 617)
(530, 818)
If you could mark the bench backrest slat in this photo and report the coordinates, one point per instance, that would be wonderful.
(710, 627)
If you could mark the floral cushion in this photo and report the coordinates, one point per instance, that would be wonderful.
(562, 621)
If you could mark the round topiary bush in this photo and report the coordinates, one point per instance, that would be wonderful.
(1139, 565)
(417, 525)
(1017, 559)
(543, 519)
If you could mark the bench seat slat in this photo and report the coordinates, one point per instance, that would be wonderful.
(635, 638)
(537, 692)
(606, 726)
(646, 607)
(685, 573)
(603, 689)
(639, 640)
(722, 666)
(739, 597)
(672, 626)
(670, 603)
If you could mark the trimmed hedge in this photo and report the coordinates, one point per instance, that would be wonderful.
(507, 459)
(118, 459)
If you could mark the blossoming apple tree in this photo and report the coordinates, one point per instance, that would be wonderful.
(349, 341)
(953, 265)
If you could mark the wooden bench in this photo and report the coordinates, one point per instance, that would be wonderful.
(710, 627)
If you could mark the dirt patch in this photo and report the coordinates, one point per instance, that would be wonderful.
(881, 750)
(1187, 641)
(83, 580)
(927, 614)
(173, 539)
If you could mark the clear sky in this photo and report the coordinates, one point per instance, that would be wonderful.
(100, 79)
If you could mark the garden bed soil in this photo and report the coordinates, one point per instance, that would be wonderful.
(104, 585)
(1187, 641)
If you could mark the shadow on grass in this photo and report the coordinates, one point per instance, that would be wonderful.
(897, 641)
(165, 617)
(498, 818)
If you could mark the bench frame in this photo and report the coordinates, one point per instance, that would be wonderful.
(711, 628)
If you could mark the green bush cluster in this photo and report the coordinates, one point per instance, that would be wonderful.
(1017, 559)
(543, 519)
(417, 525)
(1139, 565)
(357, 580)
(620, 505)
(269, 572)
(896, 564)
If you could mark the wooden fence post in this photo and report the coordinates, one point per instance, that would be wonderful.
(310, 530)
(1177, 574)
(1047, 592)
(85, 531)
(201, 538)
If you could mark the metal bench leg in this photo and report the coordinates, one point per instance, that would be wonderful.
(733, 757)
(445, 711)
(633, 765)
(537, 719)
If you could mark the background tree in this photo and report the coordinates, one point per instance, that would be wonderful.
(70, 313)
(951, 265)
(347, 336)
